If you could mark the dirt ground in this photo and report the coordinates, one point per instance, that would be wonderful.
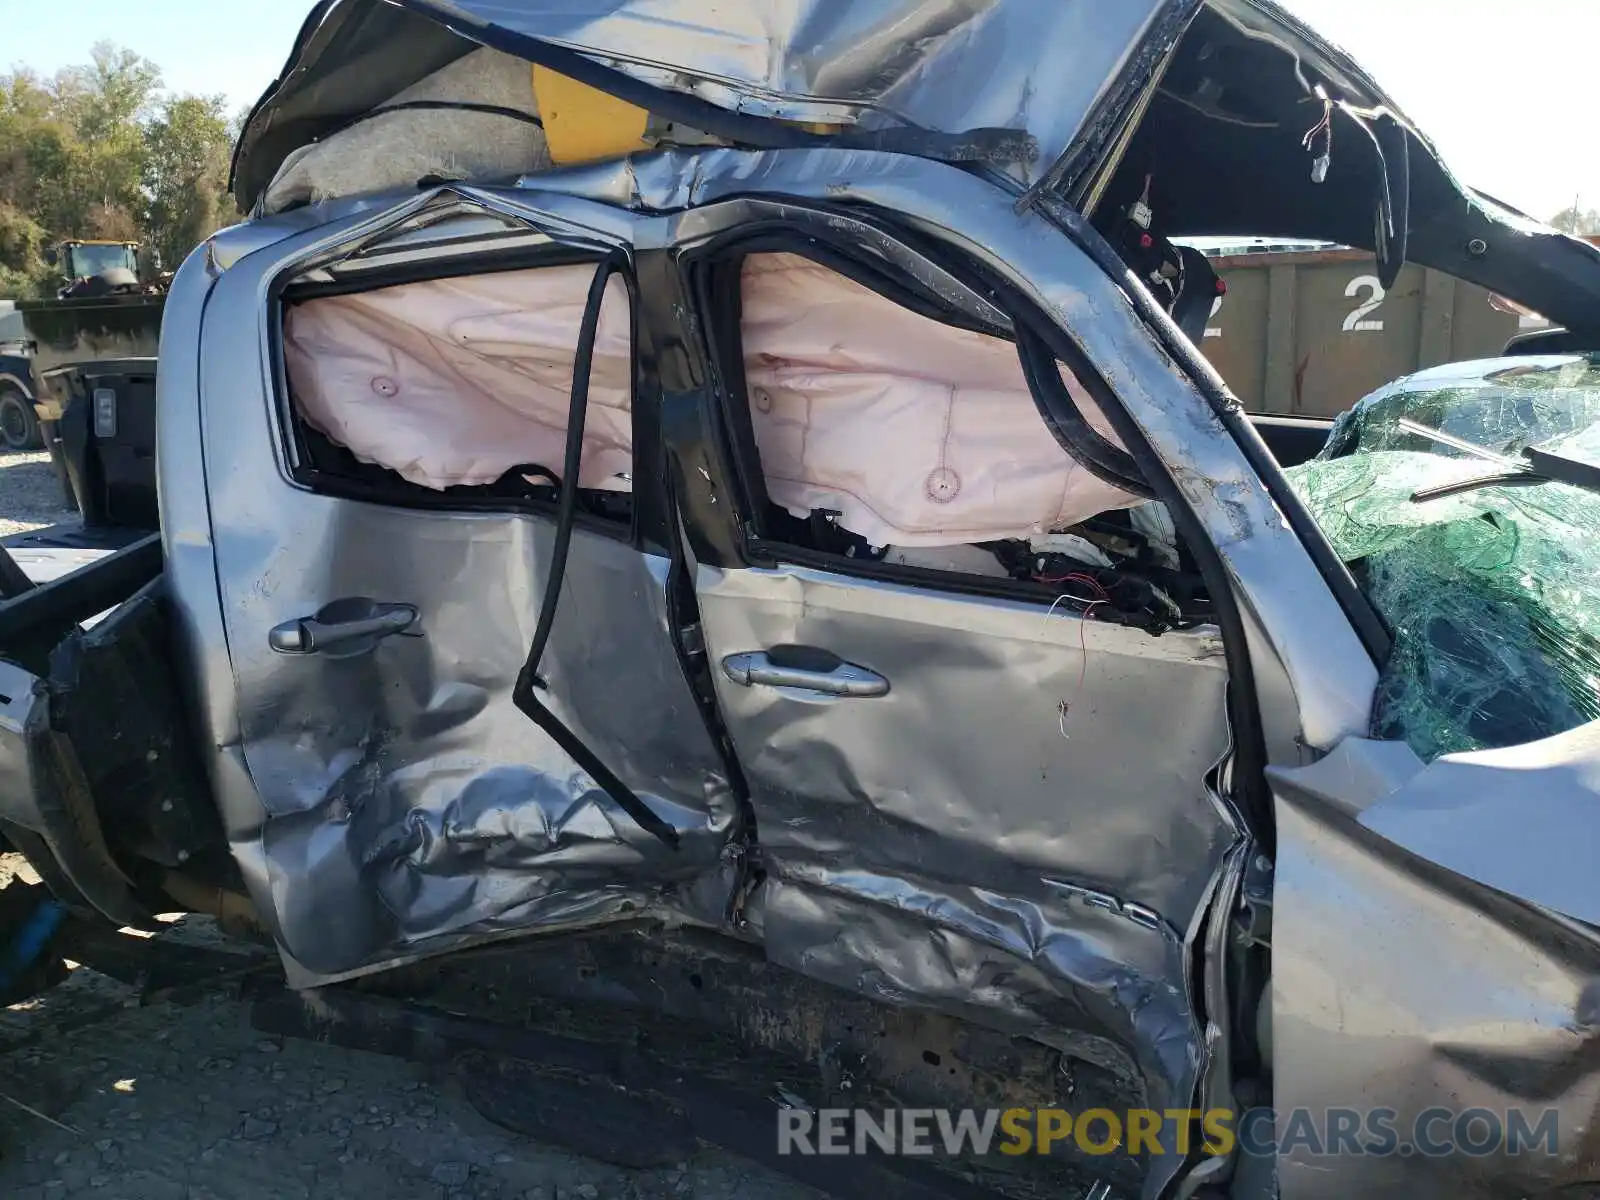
(190, 1103)
(103, 1098)
(30, 496)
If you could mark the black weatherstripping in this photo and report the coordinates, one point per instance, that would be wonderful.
(1369, 627)
(525, 695)
(1084, 444)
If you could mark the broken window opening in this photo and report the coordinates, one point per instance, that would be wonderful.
(454, 391)
(888, 440)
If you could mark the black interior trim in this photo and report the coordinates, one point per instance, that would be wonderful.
(717, 286)
(1103, 459)
(1201, 287)
(695, 474)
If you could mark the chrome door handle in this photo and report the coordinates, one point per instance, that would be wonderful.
(805, 669)
(343, 628)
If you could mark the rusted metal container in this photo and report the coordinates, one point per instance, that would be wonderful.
(1308, 333)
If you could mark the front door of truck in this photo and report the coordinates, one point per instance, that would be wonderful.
(382, 509)
(972, 793)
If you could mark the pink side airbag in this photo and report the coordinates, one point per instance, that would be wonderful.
(456, 381)
(917, 433)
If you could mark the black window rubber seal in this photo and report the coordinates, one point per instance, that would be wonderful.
(526, 693)
(1085, 444)
(1364, 619)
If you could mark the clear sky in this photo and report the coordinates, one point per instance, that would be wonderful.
(1506, 88)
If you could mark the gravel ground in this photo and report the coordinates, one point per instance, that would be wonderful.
(168, 1103)
(30, 496)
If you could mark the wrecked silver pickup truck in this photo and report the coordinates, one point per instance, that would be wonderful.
(720, 541)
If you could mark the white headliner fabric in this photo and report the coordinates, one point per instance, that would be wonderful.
(919, 434)
(456, 381)
(394, 150)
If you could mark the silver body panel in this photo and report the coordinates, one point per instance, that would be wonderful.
(966, 831)
(984, 851)
(402, 788)
(1401, 986)
(1521, 820)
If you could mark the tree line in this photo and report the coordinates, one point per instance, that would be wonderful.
(102, 150)
(1584, 222)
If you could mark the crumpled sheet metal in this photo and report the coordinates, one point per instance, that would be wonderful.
(1491, 593)
(1398, 985)
(454, 814)
(1013, 896)
(1521, 820)
(1039, 871)
(392, 776)
(949, 66)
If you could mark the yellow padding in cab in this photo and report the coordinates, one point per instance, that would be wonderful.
(583, 124)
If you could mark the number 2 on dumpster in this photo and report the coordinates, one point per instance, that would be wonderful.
(1356, 321)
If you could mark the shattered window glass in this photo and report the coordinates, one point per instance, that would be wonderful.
(1492, 591)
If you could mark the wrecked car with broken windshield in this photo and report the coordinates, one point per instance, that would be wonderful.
(723, 540)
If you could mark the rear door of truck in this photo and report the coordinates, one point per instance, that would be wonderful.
(382, 784)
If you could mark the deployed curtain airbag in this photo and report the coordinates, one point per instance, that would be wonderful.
(456, 381)
(916, 433)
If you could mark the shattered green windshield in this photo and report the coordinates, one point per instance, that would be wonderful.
(1493, 593)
